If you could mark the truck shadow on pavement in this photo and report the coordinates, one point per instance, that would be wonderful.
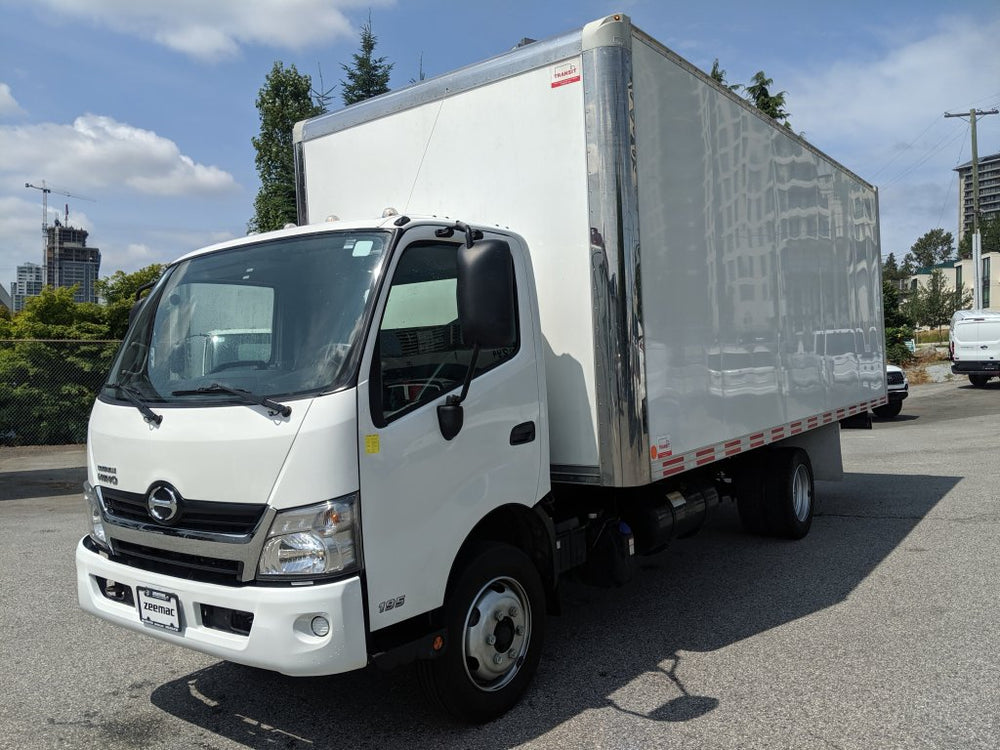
(22, 485)
(700, 595)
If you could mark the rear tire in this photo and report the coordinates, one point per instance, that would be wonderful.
(789, 493)
(978, 381)
(890, 410)
(495, 616)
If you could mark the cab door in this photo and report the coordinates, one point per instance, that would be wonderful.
(421, 494)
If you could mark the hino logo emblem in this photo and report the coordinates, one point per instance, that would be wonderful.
(164, 504)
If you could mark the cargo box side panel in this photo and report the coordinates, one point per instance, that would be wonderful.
(512, 153)
(760, 272)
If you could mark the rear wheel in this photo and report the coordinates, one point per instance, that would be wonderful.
(889, 410)
(495, 616)
(979, 380)
(789, 492)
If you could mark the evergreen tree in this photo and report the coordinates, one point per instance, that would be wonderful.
(719, 76)
(367, 76)
(890, 269)
(770, 104)
(284, 99)
(908, 267)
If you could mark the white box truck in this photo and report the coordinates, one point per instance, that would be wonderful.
(587, 312)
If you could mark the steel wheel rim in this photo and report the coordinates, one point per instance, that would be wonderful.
(497, 634)
(801, 493)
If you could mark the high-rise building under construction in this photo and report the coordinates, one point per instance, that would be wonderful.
(68, 261)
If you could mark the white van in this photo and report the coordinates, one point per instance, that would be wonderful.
(975, 347)
(965, 315)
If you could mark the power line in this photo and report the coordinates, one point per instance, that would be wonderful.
(939, 146)
(903, 150)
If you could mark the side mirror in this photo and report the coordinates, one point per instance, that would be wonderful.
(486, 307)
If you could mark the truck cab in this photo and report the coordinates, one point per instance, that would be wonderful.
(270, 463)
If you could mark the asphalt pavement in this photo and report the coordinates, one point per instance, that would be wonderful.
(878, 630)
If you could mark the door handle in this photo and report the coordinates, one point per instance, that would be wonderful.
(522, 433)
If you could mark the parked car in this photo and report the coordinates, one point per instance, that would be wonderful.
(898, 389)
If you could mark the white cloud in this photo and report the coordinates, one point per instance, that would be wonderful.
(883, 117)
(216, 29)
(97, 152)
(8, 104)
(892, 95)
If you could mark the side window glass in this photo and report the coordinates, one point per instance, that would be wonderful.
(420, 354)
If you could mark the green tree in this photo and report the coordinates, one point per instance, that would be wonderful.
(772, 105)
(367, 76)
(933, 247)
(908, 267)
(934, 304)
(890, 269)
(989, 234)
(118, 292)
(892, 314)
(284, 99)
(719, 76)
(898, 325)
(52, 369)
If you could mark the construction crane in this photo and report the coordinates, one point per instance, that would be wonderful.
(45, 201)
(45, 216)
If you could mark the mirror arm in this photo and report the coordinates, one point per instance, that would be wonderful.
(455, 400)
(450, 414)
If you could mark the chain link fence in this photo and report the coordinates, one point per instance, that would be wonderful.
(47, 388)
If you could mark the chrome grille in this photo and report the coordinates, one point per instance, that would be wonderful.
(198, 515)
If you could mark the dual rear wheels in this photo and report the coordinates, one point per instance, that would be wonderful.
(776, 496)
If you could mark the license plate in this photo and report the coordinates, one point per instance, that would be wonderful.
(159, 609)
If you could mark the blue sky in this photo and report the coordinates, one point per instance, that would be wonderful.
(147, 108)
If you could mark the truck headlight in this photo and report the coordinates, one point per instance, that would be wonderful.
(315, 540)
(95, 522)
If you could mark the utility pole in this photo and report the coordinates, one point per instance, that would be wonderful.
(977, 246)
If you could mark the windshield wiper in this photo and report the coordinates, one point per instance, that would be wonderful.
(135, 398)
(247, 397)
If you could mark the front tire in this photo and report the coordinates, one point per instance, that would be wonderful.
(495, 616)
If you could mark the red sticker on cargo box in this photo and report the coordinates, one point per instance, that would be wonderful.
(566, 73)
(662, 448)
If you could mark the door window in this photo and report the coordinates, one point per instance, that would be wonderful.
(420, 354)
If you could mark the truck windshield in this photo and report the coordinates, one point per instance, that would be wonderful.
(276, 318)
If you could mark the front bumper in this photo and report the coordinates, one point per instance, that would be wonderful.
(280, 638)
(899, 395)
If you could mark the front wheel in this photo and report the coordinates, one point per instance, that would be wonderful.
(495, 615)
(979, 381)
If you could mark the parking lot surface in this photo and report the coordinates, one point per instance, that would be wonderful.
(878, 630)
